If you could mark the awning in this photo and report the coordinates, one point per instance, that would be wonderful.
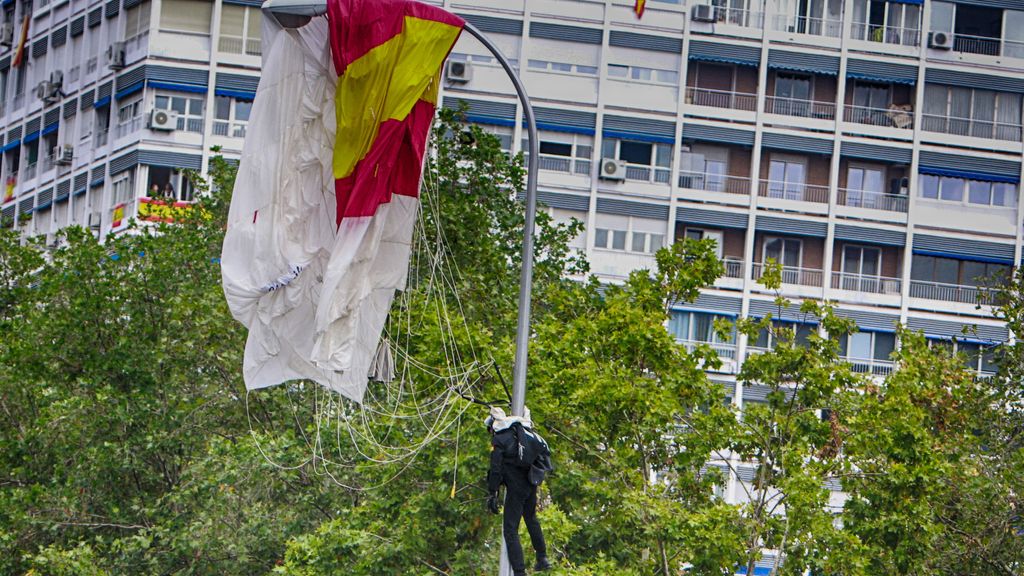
(727, 53)
(803, 62)
(129, 90)
(31, 137)
(951, 173)
(50, 129)
(246, 96)
(11, 145)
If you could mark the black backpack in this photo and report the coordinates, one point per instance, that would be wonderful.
(531, 453)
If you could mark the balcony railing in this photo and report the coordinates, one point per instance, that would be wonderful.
(971, 127)
(641, 173)
(721, 99)
(733, 267)
(18, 101)
(90, 65)
(805, 25)
(794, 191)
(240, 45)
(47, 163)
(987, 46)
(885, 34)
(229, 129)
(871, 366)
(874, 200)
(948, 292)
(792, 275)
(867, 283)
(724, 350)
(30, 171)
(100, 138)
(739, 17)
(714, 182)
(800, 107)
(894, 116)
(564, 164)
(73, 73)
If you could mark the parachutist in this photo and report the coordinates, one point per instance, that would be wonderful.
(520, 458)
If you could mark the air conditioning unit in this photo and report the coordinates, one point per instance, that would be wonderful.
(940, 40)
(703, 13)
(166, 120)
(63, 155)
(57, 78)
(48, 92)
(458, 71)
(612, 169)
(115, 56)
(7, 34)
(95, 220)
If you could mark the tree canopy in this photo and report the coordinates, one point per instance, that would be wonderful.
(128, 444)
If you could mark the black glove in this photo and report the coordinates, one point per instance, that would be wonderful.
(492, 503)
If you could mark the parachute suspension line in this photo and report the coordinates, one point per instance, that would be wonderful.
(455, 471)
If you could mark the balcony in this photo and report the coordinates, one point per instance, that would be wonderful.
(871, 366)
(990, 129)
(894, 117)
(237, 129)
(30, 171)
(987, 46)
(47, 163)
(550, 162)
(100, 138)
(805, 25)
(714, 182)
(898, 35)
(948, 292)
(792, 275)
(794, 191)
(873, 200)
(866, 283)
(239, 45)
(642, 173)
(18, 101)
(190, 124)
(726, 351)
(721, 99)
(800, 107)
(739, 17)
(733, 267)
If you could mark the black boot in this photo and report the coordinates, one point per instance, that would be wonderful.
(542, 564)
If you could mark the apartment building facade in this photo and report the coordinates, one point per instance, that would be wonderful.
(113, 100)
(873, 148)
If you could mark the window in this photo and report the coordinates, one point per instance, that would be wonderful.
(860, 270)
(964, 191)
(701, 234)
(874, 346)
(697, 327)
(642, 157)
(169, 183)
(627, 233)
(189, 109)
(545, 65)
(786, 177)
(972, 112)
(231, 116)
(787, 252)
(102, 116)
(889, 22)
(977, 356)
(136, 21)
(871, 102)
(121, 189)
(792, 87)
(799, 332)
(817, 17)
(193, 16)
(863, 185)
(561, 152)
(128, 112)
(643, 74)
(240, 29)
(956, 272)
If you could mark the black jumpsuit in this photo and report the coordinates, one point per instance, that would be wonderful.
(520, 499)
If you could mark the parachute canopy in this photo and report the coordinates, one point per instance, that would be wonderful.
(326, 196)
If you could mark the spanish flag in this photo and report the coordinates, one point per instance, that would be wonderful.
(327, 193)
(9, 189)
(19, 54)
(638, 8)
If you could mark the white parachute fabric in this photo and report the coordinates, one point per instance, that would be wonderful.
(314, 298)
